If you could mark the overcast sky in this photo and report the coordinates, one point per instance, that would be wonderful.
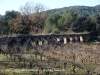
(6, 5)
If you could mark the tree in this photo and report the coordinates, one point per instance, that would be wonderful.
(51, 24)
(1, 26)
(96, 21)
(67, 21)
(27, 9)
(21, 24)
(38, 17)
(30, 19)
(6, 22)
(80, 24)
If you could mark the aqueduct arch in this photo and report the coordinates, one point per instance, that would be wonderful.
(44, 39)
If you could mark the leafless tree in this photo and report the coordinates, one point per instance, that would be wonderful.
(34, 14)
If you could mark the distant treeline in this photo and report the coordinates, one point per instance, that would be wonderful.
(57, 21)
(80, 10)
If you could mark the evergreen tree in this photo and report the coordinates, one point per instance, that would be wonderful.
(51, 24)
(67, 21)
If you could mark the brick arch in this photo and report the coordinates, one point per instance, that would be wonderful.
(76, 39)
(22, 41)
(40, 40)
(3, 44)
(50, 40)
(68, 39)
(86, 38)
(36, 42)
(2, 41)
(61, 39)
(57, 39)
(32, 41)
(45, 40)
(71, 39)
(13, 42)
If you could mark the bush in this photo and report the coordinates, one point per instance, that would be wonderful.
(56, 31)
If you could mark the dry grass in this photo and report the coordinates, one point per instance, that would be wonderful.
(84, 57)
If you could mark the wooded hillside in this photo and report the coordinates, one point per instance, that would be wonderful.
(80, 10)
(37, 20)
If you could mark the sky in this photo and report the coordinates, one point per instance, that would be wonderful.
(6, 5)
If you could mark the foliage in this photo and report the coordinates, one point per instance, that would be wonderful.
(83, 24)
(51, 24)
(96, 21)
(34, 19)
(73, 22)
(6, 22)
(80, 10)
(67, 20)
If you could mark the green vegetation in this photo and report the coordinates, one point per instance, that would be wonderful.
(51, 24)
(51, 21)
(80, 10)
(72, 22)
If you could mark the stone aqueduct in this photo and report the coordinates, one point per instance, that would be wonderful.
(29, 40)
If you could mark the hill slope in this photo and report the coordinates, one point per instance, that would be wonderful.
(80, 10)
